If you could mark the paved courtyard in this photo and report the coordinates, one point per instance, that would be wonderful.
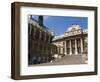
(66, 60)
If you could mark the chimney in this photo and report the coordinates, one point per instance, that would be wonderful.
(30, 16)
(40, 20)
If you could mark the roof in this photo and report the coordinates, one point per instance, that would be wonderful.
(58, 37)
(35, 23)
(73, 28)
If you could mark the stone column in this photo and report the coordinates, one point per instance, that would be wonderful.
(49, 37)
(81, 45)
(76, 52)
(45, 36)
(70, 48)
(40, 35)
(34, 32)
(61, 50)
(65, 46)
(61, 47)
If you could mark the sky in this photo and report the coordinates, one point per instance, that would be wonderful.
(60, 24)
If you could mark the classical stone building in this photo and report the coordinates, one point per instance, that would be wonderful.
(44, 47)
(72, 42)
(39, 41)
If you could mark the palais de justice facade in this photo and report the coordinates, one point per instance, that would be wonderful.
(72, 42)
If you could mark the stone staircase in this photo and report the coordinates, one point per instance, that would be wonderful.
(69, 59)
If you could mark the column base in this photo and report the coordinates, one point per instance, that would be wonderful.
(76, 53)
(65, 53)
(70, 54)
